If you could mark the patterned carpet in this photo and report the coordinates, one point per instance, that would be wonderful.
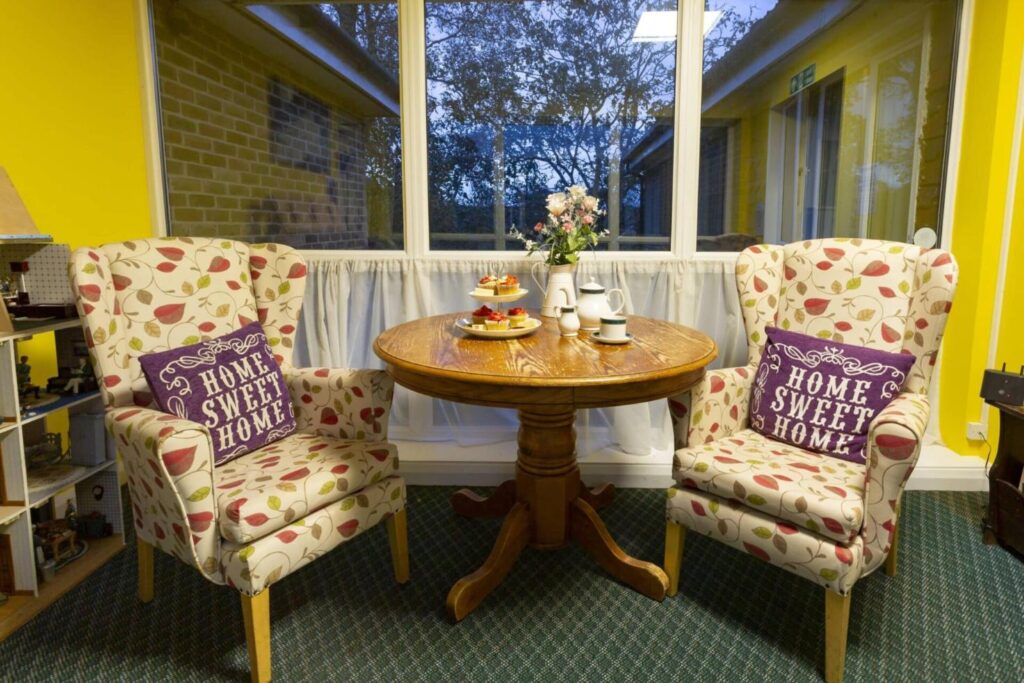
(954, 613)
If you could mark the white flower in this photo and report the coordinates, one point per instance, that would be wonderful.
(577, 191)
(589, 203)
(556, 204)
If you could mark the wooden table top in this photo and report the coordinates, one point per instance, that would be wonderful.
(432, 356)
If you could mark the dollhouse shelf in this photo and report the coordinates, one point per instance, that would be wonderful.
(37, 498)
(96, 488)
(62, 402)
(25, 328)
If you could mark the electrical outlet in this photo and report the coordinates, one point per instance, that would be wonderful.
(977, 431)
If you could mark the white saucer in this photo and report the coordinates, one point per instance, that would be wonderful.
(596, 336)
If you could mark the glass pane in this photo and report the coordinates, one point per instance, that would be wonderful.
(280, 122)
(838, 115)
(527, 98)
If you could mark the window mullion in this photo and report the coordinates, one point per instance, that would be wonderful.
(686, 142)
(412, 77)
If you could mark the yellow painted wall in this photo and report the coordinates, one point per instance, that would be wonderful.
(993, 80)
(71, 127)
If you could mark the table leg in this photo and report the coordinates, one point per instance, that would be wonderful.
(599, 496)
(498, 504)
(590, 532)
(551, 508)
(467, 593)
(547, 476)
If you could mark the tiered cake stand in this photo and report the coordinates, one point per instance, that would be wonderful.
(498, 302)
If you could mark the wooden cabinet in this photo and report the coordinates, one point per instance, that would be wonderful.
(22, 489)
(1005, 521)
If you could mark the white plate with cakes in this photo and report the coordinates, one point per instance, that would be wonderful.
(498, 329)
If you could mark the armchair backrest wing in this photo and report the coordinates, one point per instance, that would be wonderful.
(154, 294)
(883, 295)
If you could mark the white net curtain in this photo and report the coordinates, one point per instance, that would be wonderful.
(350, 301)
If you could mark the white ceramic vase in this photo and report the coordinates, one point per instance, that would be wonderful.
(560, 290)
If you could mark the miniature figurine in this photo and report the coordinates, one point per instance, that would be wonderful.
(78, 376)
(24, 374)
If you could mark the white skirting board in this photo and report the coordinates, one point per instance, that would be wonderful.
(448, 464)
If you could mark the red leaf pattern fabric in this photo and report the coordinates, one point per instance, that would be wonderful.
(154, 294)
(288, 479)
(829, 521)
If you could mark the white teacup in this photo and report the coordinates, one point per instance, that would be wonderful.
(613, 327)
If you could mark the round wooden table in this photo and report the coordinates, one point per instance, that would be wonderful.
(546, 377)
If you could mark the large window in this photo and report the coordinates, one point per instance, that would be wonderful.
(817, 118)
(527, 98)
(839, 114)
(281, 122)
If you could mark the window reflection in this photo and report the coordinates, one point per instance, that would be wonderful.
(823, 118)
(280, 121)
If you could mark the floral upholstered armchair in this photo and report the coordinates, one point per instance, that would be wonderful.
(828, 520)
(252, 521)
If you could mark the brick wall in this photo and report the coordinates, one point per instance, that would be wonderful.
(252, 151)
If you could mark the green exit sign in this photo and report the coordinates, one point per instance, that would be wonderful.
(801, 80)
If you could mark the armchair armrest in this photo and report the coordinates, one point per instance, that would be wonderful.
(347, 404)
(714, 408)
(894, 444)
(169, 463)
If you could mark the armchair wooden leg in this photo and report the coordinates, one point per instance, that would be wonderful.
(145, 555)
(837, 619)
(890, 561)
(675, 537)
(256, 612)
(399, 545)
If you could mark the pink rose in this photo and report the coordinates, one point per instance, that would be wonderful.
(588, 219)
(538, 227)
(567, 227)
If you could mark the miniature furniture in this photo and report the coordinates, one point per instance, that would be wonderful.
(1004, 523)
(257, 518)
(58, 539)
(828, 520)
(547, 378)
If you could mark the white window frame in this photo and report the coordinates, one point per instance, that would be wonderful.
(413, 105)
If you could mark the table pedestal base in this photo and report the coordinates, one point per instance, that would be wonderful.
(545, 507)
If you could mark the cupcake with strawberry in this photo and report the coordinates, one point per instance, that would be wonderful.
(517, 316)
(508, 284)
(480, 315)
(487, 286)
(497, 321)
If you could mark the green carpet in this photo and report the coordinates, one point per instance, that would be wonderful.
(954, 613)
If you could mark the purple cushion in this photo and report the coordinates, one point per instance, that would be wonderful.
(822, 395)
(231, 384)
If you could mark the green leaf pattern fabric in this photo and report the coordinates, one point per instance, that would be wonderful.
(823, 518)
(265, 490)
(345, 404)
(255, 566)
(813, 491)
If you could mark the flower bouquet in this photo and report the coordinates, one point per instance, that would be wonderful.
(571, 227)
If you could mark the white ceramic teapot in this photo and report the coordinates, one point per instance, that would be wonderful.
(593, 303)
